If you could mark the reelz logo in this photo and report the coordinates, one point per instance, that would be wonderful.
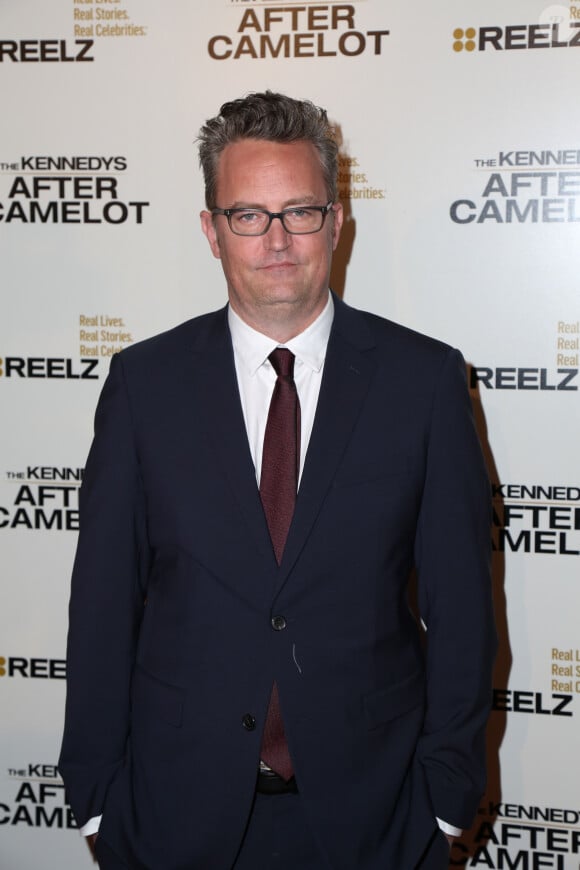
(522, 378)
(33, 669)
(49, 367)
(517, 37)
(535, 703)
(46, 51)
(39, 801)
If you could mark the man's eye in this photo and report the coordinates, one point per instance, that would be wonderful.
(297, 213)
(247, 217)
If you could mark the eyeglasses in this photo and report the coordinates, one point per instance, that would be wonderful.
(256, 221)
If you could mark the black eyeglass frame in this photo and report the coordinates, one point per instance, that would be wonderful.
(228, 212)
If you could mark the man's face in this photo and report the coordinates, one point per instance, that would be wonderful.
(277, 276)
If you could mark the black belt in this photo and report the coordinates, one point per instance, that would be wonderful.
(269, 782)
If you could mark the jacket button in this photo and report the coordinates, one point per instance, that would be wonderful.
(249, 722)
(278, 623)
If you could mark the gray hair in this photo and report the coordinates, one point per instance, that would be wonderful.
(273, 117)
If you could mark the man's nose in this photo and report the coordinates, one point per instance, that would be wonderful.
(277, 239)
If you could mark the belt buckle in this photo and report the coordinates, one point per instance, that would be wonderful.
(271, 783)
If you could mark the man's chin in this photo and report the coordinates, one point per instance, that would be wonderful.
(284, 296)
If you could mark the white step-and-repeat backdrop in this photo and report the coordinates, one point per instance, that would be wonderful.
(460, 176)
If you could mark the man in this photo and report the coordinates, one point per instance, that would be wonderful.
(247, 685)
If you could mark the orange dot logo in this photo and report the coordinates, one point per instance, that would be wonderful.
(464, 40)
(2, 666)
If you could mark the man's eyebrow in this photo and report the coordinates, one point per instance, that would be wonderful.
(302, 200)
(290, 203)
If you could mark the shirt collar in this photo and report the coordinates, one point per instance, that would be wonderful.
(252, 348)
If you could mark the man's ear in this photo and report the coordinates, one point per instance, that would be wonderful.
(209, 231)
(338, 215)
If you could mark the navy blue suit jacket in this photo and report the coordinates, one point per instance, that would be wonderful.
(172, 653)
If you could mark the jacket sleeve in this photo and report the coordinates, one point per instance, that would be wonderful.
(106, 604)
(453, 558)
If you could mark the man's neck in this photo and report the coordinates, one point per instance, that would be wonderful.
(281, 322)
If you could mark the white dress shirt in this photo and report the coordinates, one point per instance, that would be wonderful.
(256, 376)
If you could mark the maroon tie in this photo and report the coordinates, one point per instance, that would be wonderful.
(278, 485)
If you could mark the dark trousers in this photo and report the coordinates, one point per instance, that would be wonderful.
(107, 859)
(277, 838)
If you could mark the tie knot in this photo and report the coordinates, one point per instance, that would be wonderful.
(282, 360)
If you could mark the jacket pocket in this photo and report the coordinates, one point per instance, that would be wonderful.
(153, 697)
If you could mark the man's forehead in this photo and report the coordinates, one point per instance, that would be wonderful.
(281, 149)
(261, 160)
(257, 173)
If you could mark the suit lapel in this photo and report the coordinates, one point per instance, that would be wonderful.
(215, 376)
(348, 372)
